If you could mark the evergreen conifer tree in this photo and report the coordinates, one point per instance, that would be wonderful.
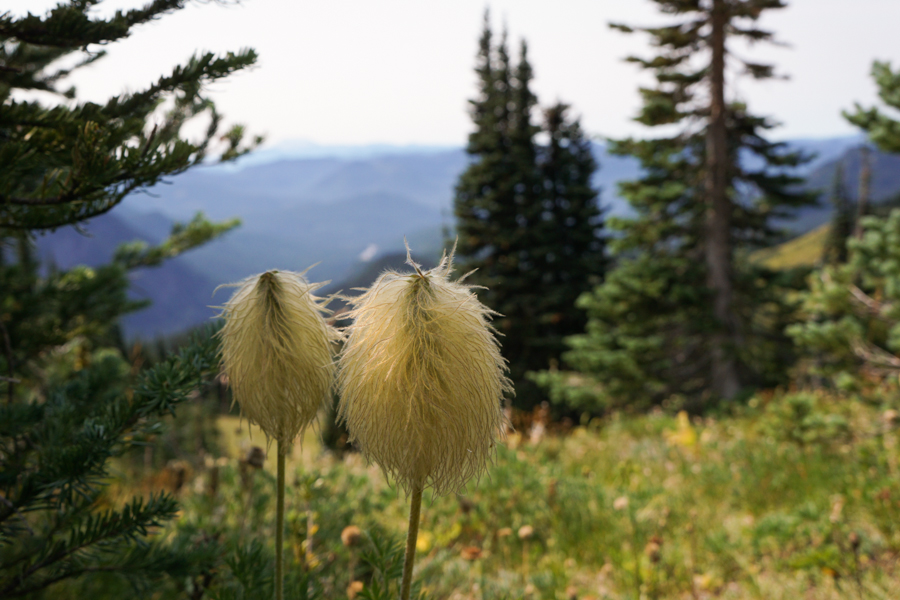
(851, 323)
(680, 313)
(568, 228)
(526, 215)
(851, 320)
(842, 223)
(72, 401)
(882, 129)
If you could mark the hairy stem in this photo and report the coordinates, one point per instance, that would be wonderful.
(279, 528)
(411, 537)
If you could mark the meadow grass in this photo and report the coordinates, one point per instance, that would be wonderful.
(802, 251)
(795, 495)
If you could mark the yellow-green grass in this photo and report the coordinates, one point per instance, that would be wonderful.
(797, 498)
(803, 251)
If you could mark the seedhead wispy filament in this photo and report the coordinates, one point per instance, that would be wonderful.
(421, 379)
(277, 352)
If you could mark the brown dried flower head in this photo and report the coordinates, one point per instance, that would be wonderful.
(351, 536)
(421, 379)
(277, 352)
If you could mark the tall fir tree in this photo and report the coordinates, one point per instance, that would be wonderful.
(526, 215)
(571, 255)
(72, 399)
(882, 129)
(681, 314)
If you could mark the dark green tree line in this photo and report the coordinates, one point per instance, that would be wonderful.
(527, 216)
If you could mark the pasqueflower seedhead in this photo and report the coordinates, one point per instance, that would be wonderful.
(421, 379)
(277, 352)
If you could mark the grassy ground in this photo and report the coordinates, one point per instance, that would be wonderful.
(798, 496)
(803, 251)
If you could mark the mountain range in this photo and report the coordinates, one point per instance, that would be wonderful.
(345, 210)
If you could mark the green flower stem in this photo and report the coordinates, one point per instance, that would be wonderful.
(279, 528)
(411, 537)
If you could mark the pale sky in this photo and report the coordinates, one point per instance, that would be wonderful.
(401, 71)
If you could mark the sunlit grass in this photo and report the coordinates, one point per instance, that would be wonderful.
(797, 496)
(803, 251)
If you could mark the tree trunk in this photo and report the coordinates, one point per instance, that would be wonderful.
(865, 180)
(718, 218)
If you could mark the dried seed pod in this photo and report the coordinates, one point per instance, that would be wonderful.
(277, 352)
(351, 536)
(421, 379)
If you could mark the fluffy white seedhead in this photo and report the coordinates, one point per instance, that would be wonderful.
(277, 352)
(421, 379)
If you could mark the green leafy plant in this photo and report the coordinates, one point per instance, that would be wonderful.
(73, 404)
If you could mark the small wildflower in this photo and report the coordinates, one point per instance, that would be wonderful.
(354, 589)
(425, 541)
(351, 536)
(255, 457)
(465, 505)
(653, 549)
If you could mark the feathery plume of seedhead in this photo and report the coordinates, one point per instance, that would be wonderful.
(421, 379)
(277, 352)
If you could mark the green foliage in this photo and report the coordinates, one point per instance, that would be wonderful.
(74, 406)
(652, 327)
(802, 419)
(852, 315)
(527, 217)
(641, 343)
(41, 311)
(881, 128)
(55, 460)
(843, 221)
(65, 163)
(765, 504)
(183, 237)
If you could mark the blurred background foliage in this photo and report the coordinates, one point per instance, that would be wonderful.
(664, 446)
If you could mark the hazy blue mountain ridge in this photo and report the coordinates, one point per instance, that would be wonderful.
(179, 294)
(338, 211)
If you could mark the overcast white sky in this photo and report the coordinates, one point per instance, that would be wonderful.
(401, 71)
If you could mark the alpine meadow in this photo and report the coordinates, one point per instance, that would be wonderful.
(578, 353)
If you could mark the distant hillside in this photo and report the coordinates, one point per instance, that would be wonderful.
(318, 210)
(885, 185)
(334, 235)
(341, 211)
(180, 295)
(803, 251)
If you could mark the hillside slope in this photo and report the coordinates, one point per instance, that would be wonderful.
(341, 211)
(179, 294)
(803, 251)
